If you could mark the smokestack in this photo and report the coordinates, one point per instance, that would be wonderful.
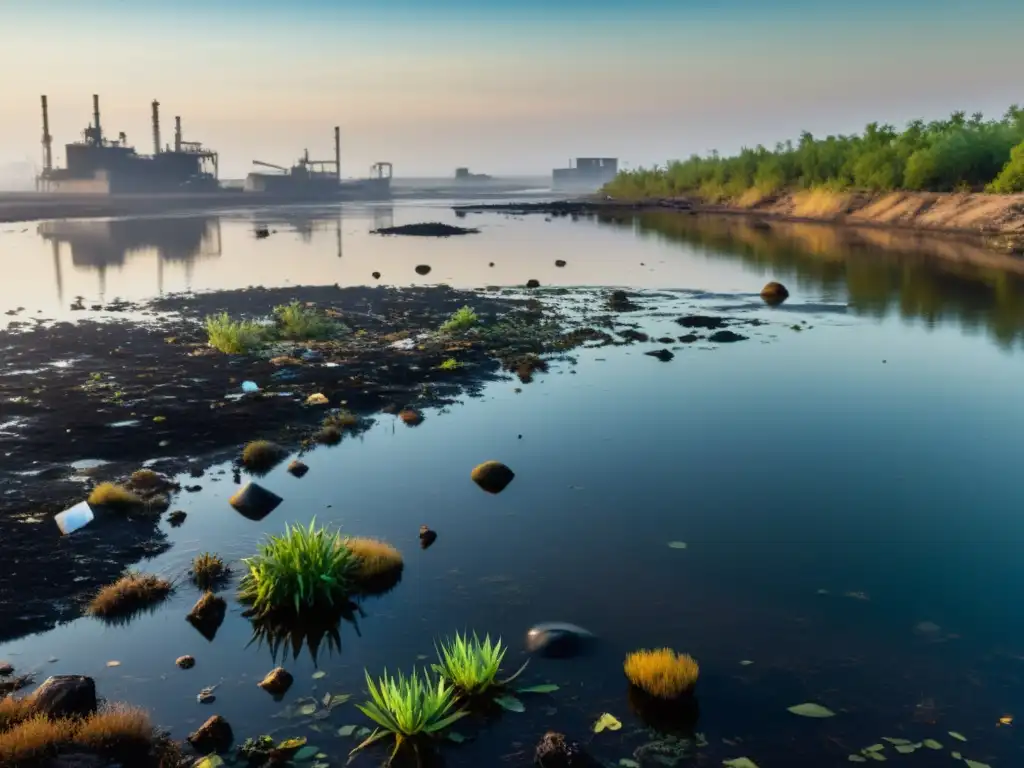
(177, 133)
(47, 139)
(337, 151)
(96, 118)
(156, 127)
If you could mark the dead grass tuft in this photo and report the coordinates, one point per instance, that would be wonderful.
(114, 496)
(14, 711)
(34, 739)
(341, 419)
(662, 673)
(262, 455)
(132, 592)
(329, 436)
(380, 564)
(117, 729)
(208, 569)
(146, 480)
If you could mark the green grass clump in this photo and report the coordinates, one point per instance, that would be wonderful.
(410, 708)
(451, 364)
(461, 320)
(235, 337)
(300, 323)
(208, 569)
(472, 666)
(306, 568)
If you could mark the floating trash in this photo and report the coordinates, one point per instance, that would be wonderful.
(250, 386)
(71, 520)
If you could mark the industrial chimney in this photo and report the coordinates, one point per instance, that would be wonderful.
(156, 127)
(177, 133)
(96, 118)
(47, 139)
(337, 151)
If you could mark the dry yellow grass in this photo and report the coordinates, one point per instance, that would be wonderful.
(208, 569)
(130, 593)
(376, 558)
(34, 740)
(14, 711)
(662, 673)
(329, 436)
(146, 480)
(820, 203)
(341, 419)
(117, 728)
(113, 496)
(262, 455)
(750, 198)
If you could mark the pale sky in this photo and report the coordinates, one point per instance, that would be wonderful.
(505, 88)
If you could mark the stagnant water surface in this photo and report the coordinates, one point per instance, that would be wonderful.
(847, 494)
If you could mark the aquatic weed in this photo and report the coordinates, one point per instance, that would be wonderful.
(303, 569)
(300, 323)
(662, 673)
(409, 708)
(461, 320)
(472, 666)
(236, 337)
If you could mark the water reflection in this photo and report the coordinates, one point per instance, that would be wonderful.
(877, 272)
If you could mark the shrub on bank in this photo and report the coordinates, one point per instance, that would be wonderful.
(1011, 178)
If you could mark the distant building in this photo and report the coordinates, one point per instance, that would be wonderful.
(588, 172)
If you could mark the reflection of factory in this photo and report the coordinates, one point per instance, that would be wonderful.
(587, 172)
(99, 244)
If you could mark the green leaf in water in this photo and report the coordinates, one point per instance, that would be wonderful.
(906, 749)
(326, 700)
(213, 761)
(607, 721)
(511, 703)
(746, 663)
(627, 763)
(346, 730)
(956, 756)
(321, 755)
(306, 753)
(320, 674)
(975, 764)
(874, 748)
(545, 688)
(857, 759)
(677, 544)
(811, 710)
(455, 737)
(289, 744)
(337, 700)
(932, 744)
(740, 762)
(321, 765)
(363, 732)
(958, 736)
(876, 756)
(895, 741)
(307, 709)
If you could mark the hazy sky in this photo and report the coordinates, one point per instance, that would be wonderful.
(503, 87)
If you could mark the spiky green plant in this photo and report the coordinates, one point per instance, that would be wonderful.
(460, 320)
(451, 364)
(299, 323)
(305, 568)
(472, 666)
(235, 337)
(408, 708)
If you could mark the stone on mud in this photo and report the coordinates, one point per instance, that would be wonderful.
(619, 301)
(214, 735)
(277, 682)
(255, 502)
(774, 293)
(492, 476)
(701, 321)
(65, 696)
(423, 269)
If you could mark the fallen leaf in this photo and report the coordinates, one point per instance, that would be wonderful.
(740, 762)
(906, 749)
(346, 730)
(306, 753)
(932, 744)
(874, 748)
(607, 721)
(1006, 720)
(958, 736)
(857, 759)
(307, 709)
(876, 756)
(811, 710)
(956, 755)
(892, 740)
(677, 544)
(213, 761)
(746, 663)
(319, 674)
(976, 764)
(455, 737)
(545, 688)
(337, 700)
(511, 703)
(627, 763)
(289, 744)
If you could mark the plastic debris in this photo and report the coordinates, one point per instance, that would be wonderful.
(250, 386)
(78, 516)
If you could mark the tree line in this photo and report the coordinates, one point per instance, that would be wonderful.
(958, 154)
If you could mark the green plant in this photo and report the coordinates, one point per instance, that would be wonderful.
(460, 320)
(451, 364)
(299, 323)
(408, 708)
(472, 666)
(235, 337)
(305, 568)
(208, 569)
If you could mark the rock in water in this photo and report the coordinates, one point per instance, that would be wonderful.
(427, 537)
(297, 468)
(662, 354)
(65, 696)
(533, 283)
(726, 337)
(492, 476)
(557, 639)
(555, 751)
(774, 293)
(255, 502)
(185, 662)
(208, 614)
(214, 735)
(701, 321)
(277, 682)
(559, 262)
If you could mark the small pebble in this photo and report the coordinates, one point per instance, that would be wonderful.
(185, 662)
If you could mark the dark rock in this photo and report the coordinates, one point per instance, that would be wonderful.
(423, 269)
(297, 468)
(492, 476)
(176, 518)
(208, 614)
(427, 229)
(559, 263)
(193, 488)
(65, 696)
(666, 340)
(689, 338)
(214, 735)
(262, 232)
(555, 751)
(619, 301)
(533, 283)
(557, 639)
(491, 264)
(724, 337)
(185, 662)
(634, 335)
(662, 354)
(255, 502)
(427, 537)
(376, 275)
(701, 321)
(6, 669)
(774, 293)
(277, 682)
